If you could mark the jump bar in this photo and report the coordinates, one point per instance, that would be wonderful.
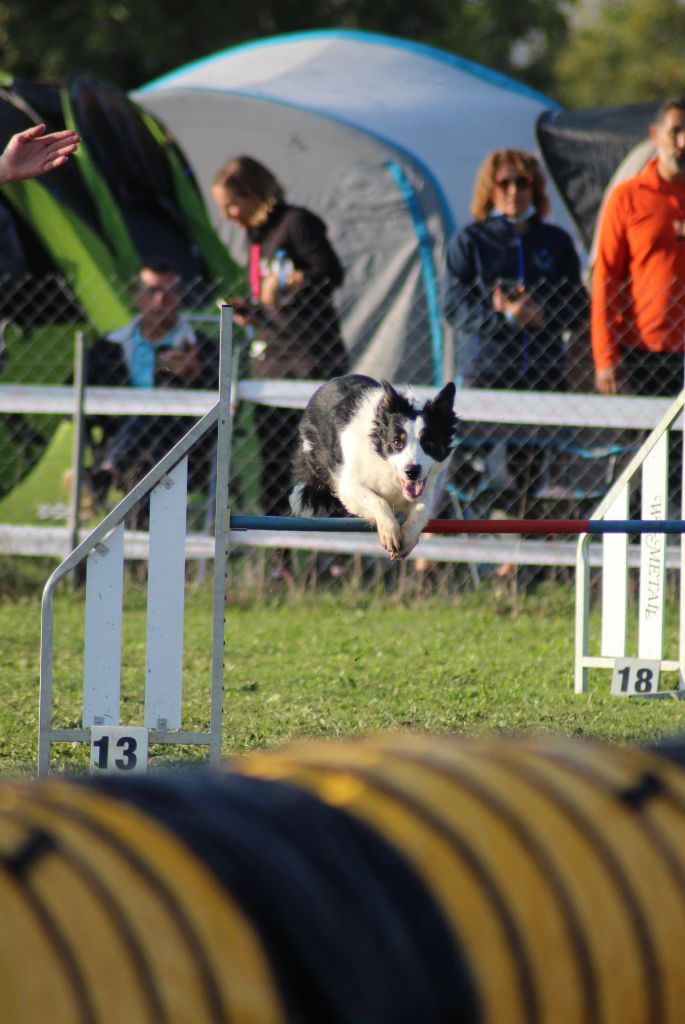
(545, 526)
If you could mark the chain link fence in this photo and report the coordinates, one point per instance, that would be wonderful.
(533, 462)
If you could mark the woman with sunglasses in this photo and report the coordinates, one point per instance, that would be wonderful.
(516, 300)
(513, 287)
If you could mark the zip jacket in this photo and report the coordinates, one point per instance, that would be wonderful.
(302, 336)
(491, 351)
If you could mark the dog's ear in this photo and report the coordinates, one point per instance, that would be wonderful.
(443, 403)
(446, 395)
(441, 409)
(391, 400)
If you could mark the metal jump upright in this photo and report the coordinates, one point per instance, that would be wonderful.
(103, 553)
(649, 469)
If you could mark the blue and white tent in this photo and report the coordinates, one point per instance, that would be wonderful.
(382, 138)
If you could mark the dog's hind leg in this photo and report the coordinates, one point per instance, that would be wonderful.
(306, 500)
(298, 502)
(310, 500)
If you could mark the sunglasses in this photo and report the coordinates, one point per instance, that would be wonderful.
(519, 182)
(155, 289)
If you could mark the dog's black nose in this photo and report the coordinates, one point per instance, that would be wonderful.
(413, 472)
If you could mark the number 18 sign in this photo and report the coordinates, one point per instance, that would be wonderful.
(118, 749)
(635, 677)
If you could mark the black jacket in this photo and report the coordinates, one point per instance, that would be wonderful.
(303, 334)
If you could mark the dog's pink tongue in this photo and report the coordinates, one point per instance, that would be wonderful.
(414, 488)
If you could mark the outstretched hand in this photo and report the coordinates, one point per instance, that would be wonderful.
(31, 153)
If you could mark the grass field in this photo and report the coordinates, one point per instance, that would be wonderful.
(338, 665)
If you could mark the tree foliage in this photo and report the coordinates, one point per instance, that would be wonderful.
(624, 51)
(520, 39)
(130, 42)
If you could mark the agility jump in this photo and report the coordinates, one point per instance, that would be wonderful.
(103, 554)
(549, 527)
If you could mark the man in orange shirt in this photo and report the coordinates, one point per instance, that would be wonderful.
(638, 282)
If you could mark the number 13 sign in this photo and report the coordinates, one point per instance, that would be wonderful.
(118, 749)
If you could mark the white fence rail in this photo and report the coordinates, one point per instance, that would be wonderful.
(492, 407)
(619, 412)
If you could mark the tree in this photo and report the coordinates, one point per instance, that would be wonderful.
(130, 42)
(623, 51)
(520, 39)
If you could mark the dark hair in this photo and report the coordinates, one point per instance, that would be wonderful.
(247, 176)
(673, 103)
(484, 188)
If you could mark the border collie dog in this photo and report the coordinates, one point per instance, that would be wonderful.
(371, 451)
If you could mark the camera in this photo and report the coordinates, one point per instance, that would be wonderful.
(510, 289)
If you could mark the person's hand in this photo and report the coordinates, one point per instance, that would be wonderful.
(270, 291)
(608, 380)
(243, 313)
(31, 153)
(183, 363)
(520, 306)
(529, 312)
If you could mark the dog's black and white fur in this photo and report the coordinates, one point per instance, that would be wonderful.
(370, 450)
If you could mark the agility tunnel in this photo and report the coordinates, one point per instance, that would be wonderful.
(404, 878)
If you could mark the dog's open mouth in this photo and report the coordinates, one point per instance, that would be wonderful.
(413, 489)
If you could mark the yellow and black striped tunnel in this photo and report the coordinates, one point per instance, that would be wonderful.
(391, 880)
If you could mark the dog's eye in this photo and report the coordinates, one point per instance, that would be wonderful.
(398, 442)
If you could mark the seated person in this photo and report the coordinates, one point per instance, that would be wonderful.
(158, 348)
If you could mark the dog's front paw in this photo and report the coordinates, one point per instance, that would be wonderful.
(411, 532)
(408, 545)
(406, 549)
(390, 535)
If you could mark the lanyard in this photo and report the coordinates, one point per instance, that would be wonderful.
(521, 274)
(254, 272)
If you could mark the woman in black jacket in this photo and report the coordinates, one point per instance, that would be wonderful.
(292, 273)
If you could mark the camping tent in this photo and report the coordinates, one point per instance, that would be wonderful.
(583, 150)
(380, 136)
(128, 196)
(71, 241)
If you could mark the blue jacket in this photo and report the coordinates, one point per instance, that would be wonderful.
(491, 352)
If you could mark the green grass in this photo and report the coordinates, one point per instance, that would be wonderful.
(339, 665)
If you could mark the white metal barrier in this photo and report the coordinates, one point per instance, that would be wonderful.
(633, 648)
(103, 553)
(566, 409)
